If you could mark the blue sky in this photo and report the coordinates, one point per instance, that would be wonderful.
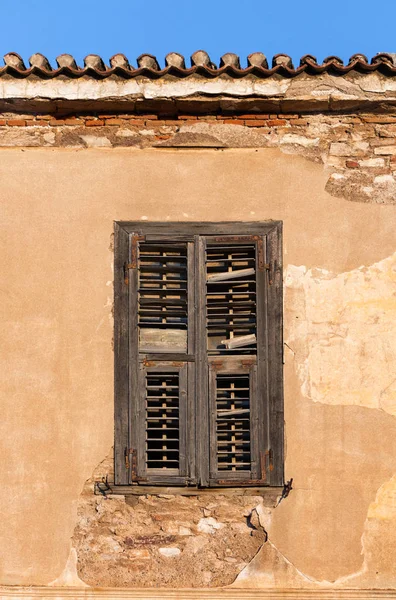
(341, 27)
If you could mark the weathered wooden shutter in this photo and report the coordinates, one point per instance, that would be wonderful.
(198, 352)
(161, 342)
(235, 354)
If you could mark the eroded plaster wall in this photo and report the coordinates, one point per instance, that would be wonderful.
(57, 212)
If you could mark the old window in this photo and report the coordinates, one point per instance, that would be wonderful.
(198, 354)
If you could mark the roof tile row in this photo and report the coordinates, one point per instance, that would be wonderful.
(201, 63)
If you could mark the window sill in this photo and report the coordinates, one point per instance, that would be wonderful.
(155, 490)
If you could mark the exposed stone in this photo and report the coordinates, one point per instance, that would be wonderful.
(385, 150)
(353, 149)
(187, 139)
(165, 537)
(169, 552)
(209, 525)
(372, 162)
(96, 141)
(300, 140)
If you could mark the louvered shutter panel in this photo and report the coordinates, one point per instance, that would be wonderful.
(198, 354)
(162, 405)
(235, 337)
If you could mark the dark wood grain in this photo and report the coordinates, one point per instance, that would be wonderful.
(121, 356)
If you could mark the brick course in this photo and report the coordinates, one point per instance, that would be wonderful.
(360, 150)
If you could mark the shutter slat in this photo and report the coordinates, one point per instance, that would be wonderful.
(230, 297)
(162, 407)
(236, 456)
(163, 295)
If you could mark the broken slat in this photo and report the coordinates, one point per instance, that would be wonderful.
(242, 340)
(233, 412)
(230, 275)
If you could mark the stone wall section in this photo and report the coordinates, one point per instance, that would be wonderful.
(359, 150)
(166, 540)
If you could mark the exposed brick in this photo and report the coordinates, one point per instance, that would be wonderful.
(3, 122)
(74, 121)
(94, 123)
(276, 122)
(137, 122)
(299, 122)
(57, 122)
(235, 122)
(192, 117)
(257, 123)
(114, 122)
(39, 123)
(16, 122)
(287, 116)
(191, 122)
(379, 119)
(150, 117)
(352, 164)
(247, 117)
(160, 123)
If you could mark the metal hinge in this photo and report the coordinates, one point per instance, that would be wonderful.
(127, 452)
(132, 465)
(135, 239)
(270, 269)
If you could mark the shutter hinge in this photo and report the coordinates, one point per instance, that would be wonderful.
(135, 239)
(268, 267)
(127, 452)
(132, 464)
(127, 266)
(269, 459)
(260, 254)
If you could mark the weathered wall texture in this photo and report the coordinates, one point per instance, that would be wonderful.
(359, 150)
(166, 540)
(338, 525)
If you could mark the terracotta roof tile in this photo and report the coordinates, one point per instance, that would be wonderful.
(201, 64)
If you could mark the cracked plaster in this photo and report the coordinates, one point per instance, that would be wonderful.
(340, 452)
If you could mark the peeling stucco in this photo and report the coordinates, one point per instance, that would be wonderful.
(58, 209)
(344, 342)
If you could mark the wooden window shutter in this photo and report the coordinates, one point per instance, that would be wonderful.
(160, 325)
(198, 354)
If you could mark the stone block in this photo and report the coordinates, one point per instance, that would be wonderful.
(169, 552)
(385, 150)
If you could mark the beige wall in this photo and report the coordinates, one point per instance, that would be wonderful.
(57, 213)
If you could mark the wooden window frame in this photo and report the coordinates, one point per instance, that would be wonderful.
(268, 369)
